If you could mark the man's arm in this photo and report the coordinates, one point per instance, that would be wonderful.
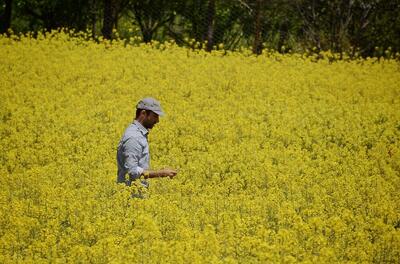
(133, 151)
(159, 173)
(132, 154)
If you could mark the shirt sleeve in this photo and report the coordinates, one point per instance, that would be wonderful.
(132, 153)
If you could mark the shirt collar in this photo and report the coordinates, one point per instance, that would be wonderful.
(141, 127)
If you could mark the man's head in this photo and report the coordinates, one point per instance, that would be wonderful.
(147, 112)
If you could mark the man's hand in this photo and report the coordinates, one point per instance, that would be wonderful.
(167, 173)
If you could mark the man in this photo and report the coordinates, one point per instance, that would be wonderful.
(133, 155)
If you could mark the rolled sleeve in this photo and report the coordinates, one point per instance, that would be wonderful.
(133, 150)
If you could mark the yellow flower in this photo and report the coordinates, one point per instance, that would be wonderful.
(291, 158)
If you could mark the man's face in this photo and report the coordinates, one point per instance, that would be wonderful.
(150, 119)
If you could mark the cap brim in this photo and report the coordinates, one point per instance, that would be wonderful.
(160, 113)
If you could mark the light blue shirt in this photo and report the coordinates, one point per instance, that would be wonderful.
(133, 153)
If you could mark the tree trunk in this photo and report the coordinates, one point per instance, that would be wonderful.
(210, 24)
(108, 20)
(257, 45)
(116, 10)
(283, 34)
(6, 23)
(195, 15)
(93, 17)
(147, 35)
(144, 21)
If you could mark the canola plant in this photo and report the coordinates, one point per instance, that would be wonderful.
(281, 158)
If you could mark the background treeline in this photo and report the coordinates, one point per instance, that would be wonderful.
(355, 27)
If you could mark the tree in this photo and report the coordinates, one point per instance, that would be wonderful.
(52, 14)
(216, 21)
(6, 17)
(375, 24)
(111, 13)
(93, 16)
(350, 25)
(151, 15)
(257, 44)
(210, 24)
(365, 27)
(108, 18)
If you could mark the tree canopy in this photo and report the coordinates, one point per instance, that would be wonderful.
(357, 27)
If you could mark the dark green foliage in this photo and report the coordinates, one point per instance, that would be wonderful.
(356, 27)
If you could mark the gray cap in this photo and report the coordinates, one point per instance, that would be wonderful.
(151, 104)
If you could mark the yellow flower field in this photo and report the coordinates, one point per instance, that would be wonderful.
(281, 158)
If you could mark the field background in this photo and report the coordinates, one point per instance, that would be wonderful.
(281, 158)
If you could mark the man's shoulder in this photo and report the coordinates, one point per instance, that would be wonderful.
(132, 129)
(132, 133)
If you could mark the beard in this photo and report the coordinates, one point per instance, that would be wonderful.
(149, 125)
